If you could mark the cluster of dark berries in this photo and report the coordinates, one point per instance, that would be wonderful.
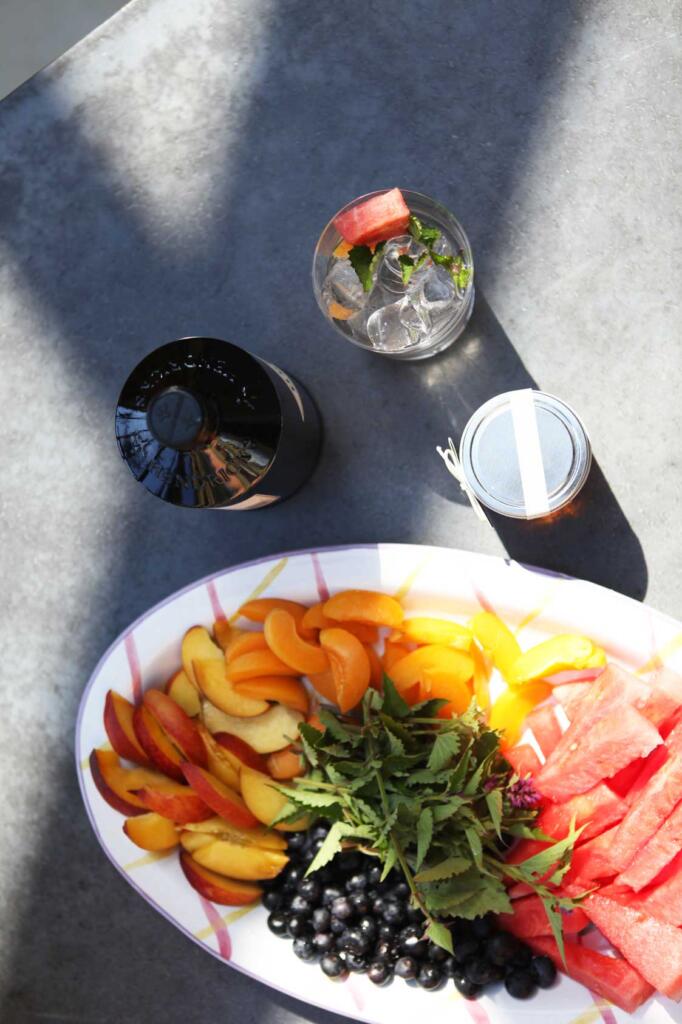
(345, 918)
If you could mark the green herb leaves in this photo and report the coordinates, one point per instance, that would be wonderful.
(428, 796)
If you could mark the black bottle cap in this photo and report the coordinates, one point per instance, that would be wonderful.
(175, 417)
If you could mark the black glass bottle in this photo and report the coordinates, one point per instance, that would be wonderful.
(203, 424)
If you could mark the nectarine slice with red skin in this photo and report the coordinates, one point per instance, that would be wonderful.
(216, 827)
(350, 666)
(220, 798)
(285, 764)
(376, 670)
(258, 663)
(197, 645)
(118, 723)
(178, 725)
(246, 642)
(283, 640)
(219, 762)
(218, 688)
(174, 801)
(433, 658)
(217, 888)
(283, 689)
(152, 832)
(183, 691)
(368, 606)
(266, 802)
(240, 752)
(222, 632)
(246, 862)
(117, 784)
(157, 744)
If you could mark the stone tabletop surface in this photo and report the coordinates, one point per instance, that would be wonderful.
(169, 176)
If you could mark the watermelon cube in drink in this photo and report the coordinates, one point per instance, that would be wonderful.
(393, 272)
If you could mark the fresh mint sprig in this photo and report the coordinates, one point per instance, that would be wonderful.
(432, 797)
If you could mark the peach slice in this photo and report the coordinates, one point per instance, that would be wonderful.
(283, 640)
(258, 663)
(223, 633)
(244, 643)
(497, 640)
(350, 666)
(193, 841)
(176, 723)
(275, 729)
(219, 827)
(284, 689)
(509, 711)
(324, 685)
(198, 646)
(364, 606)
(435, 659)
(180, 689)
(157, 743)
(151, 832)
(118, 723)
(285, 764)
(218, 760)
(227, 891)
(444, 686)
(174, 801)
(220, 798)
(376, 671)
(215, 684)
(238, 752)
(265, 802)
(236, 860)
(437, 631)
(116, 784)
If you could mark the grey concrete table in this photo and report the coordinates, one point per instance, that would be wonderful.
(169, 176)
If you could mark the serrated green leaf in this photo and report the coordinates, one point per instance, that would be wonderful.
(395, 743)
(555, 923)
(490, 900)
(445, 746)
(331, 845)
(446, 869)
(335, 727)
(290, 812)
(360, 257)
(463, 278)
(439, 934)
(393, 704)
(407, 267)
(537, 866)
(428, 708)
(494, 802)
(442, 261)
(389, 862)
(374, 263)
(429, 236)
(441, 812)
(309, 798)
(475, 845)
(415, 227)
(310, 739)
(424, 835)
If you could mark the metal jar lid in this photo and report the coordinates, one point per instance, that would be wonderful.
(525, 454)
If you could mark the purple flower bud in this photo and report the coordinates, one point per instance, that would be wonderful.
(523, 794)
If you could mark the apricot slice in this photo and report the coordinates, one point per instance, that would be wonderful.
(437, 631)
(365, 633)
(339, 312)
(286, 764)
(509, 711)
(554, 655)
(315, 618)
(220, 690)
(284, 689)
(393, 653)
(324, 685)
(445, 662)
(376, 671)
(258, 663)
(364, 606)
(497, 639)
(223, 632)
(349, 664)
(151, 832)
(259, 609)
(446, 687)
(244, 643)
(283, 640)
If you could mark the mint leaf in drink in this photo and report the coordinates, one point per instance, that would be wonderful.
(408, 265)
(361, 257)
(427, 236)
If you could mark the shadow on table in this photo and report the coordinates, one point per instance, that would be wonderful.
(590, 538)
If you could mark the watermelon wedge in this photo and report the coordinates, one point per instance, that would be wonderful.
(612, 979)
(545, 727)
(664, 900)
(649, 766)
(598, 809)
(652, 947)
(669, 725)
(665, 696)
(651, 858)
(570, 695)
(613, 690)
(648, 812)
(530, 920)
(375, 219)
(590, 862)
(610, 743)
(523, 760)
